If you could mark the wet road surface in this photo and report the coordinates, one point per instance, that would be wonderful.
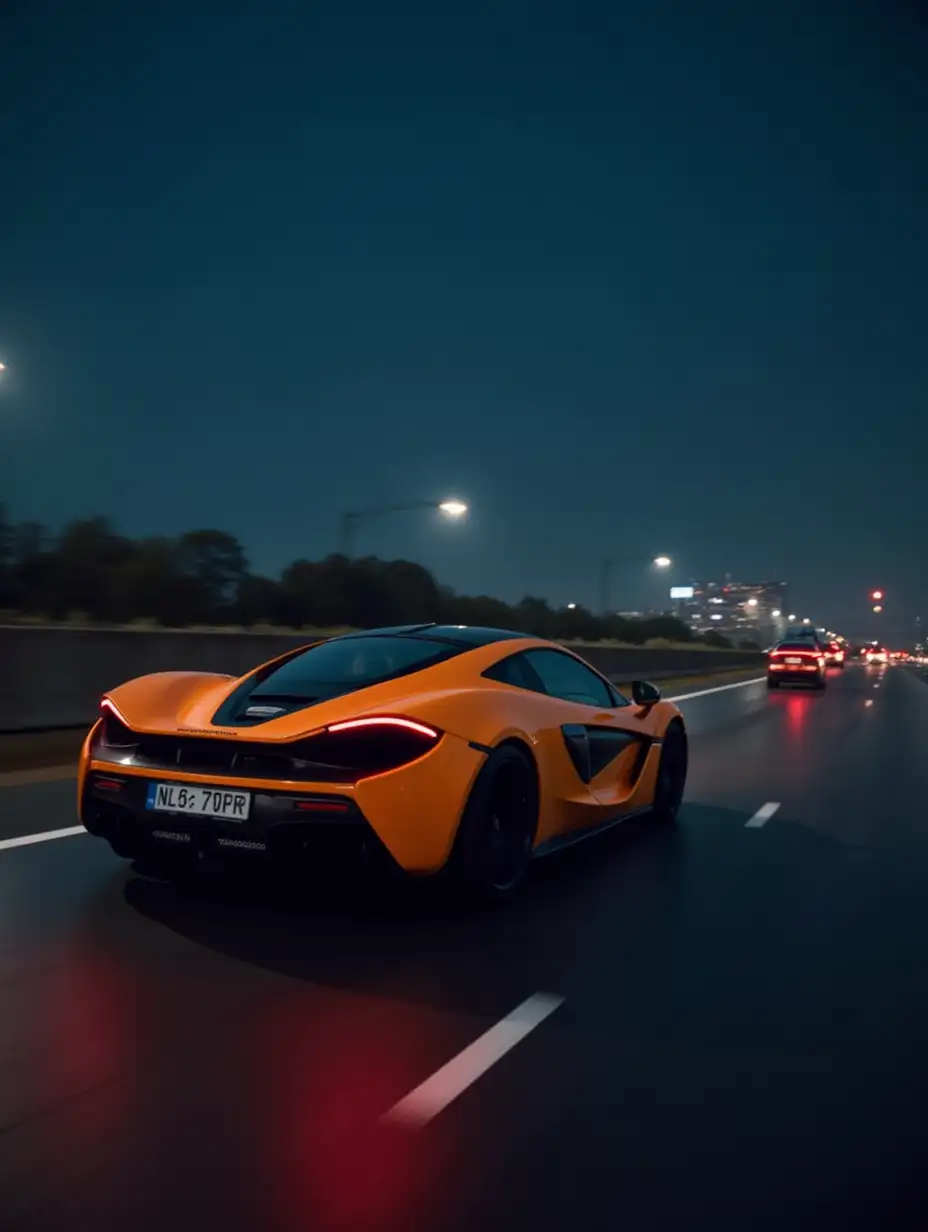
(720, 1024)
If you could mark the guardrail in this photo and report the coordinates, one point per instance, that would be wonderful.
(53, 677)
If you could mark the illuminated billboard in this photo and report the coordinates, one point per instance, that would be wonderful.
(682, 592)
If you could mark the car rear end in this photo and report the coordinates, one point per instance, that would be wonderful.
(876, 655)
(344, 792)
(834, 655)
(186, 798)
(800, 662)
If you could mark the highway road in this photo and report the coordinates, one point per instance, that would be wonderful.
(723, 1024)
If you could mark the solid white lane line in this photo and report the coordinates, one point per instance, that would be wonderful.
(446, 1084)
(761, 817)
(25, 840)
(719, 688)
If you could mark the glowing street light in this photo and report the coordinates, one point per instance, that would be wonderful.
(776, 613)
(571, 607)
(752, 603)
(350, 521)
(806, 620)
(605, 575)
(792, 616)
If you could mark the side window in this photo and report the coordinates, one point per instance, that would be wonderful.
(566, 677)
(517, 671)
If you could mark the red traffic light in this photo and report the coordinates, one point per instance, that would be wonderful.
(876, 595)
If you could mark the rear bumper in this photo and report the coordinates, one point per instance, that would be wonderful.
(412, 813)
(796, 676)
(278, 831)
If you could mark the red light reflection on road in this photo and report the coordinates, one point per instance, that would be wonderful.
(797, 712)
(796, 703)
(326, 1159)
(86, 1018)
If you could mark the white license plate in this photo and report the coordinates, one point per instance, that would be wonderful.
(196, 801)
(799, 661)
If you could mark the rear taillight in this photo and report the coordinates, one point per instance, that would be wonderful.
(359, 748)
(114, 733)
(384, 724)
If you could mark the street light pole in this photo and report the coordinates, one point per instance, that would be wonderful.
(352, 519)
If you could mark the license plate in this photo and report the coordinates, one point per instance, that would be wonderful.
(196, 801)
(793, 661)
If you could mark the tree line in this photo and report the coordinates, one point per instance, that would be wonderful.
(89, 571)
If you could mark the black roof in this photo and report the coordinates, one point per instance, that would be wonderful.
(460, 635)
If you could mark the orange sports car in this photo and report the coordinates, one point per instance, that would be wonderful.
(433, 748)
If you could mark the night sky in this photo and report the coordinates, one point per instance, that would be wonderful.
(627, 277)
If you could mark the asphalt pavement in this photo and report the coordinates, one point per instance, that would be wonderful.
(719, 1024)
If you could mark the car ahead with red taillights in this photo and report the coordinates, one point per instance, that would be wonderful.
(834, 654)
(802, 661)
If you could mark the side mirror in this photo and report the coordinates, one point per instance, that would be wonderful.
(644, 693)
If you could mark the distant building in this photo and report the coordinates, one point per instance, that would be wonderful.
(753, 610)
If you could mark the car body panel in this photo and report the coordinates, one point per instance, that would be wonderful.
(415, 809)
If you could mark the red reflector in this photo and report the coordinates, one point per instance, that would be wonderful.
(109, 784)
(323, 806)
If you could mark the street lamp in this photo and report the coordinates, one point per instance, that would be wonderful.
(776, 613)
(605, 575)
(352, 520)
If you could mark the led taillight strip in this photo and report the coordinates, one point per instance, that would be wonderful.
(407, 724)
(108, 704)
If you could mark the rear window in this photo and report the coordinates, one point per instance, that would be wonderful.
(795, 646)
(343, 665)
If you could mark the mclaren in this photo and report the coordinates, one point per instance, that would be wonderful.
(435, 749)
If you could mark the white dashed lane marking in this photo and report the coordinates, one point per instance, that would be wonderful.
(761, 817)
(446, 1084)
(26, 840)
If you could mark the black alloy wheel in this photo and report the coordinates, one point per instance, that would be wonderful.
(671, 774)
(495, 837)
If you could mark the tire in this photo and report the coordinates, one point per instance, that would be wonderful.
(494, 842)
(671, 775)
(772, 683)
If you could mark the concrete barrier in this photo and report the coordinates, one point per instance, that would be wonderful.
(53, 677)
